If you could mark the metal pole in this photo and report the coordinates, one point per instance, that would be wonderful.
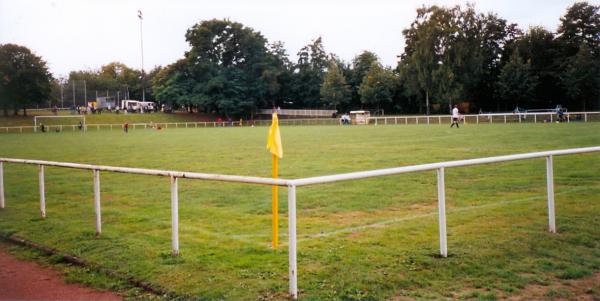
(1, 185)
(442, 212)
(550, 185)
(42, 191)
(97, 201)
(74, 105)
(174, 216)
(142, 48)
(62, 97)
(292, 242)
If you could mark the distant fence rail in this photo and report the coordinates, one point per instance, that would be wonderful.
(490, 118)
(291, 112)
(292, 185)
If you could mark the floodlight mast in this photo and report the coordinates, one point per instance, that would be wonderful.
(142, 50)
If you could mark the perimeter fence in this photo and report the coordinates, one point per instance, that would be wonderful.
(292, 185)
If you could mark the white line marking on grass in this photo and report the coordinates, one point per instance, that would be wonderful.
(385, 223)
(250, 238)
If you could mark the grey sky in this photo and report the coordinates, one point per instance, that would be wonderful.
(75, 34)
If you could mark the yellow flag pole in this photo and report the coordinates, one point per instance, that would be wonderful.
(275, 206)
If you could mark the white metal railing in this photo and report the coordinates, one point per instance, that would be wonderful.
(292, 185)
(295, 112)
(388, 120)
(539, 117)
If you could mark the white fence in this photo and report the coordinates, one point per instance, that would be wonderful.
(292, 185)
(490, 118)
(292, 112)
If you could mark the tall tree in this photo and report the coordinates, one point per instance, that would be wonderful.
(582, 79)
(24, 78)
(335, 91)
(377, 87)
(580, 24)
(516, 84)
(539, 47)
(309, 73)
(226, 62)
(360, 66)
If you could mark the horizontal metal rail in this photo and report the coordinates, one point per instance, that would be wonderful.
(432, 166)
(156, 172)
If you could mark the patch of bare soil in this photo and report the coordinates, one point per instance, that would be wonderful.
(24, 280)
(584, 289)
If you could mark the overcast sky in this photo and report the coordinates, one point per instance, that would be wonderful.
(79, 34)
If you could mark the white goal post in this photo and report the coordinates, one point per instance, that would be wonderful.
(35, 120)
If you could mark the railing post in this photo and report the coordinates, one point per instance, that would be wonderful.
(174, 216)
(550, 185)
(477, 119)
(585, 116)
(293, 270)
(1, 185)
(42, 191)
(442, 212)
(97, 202)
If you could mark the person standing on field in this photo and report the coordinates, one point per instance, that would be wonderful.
(126, 127)
(455, 116)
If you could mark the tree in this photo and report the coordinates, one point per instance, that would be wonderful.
(582, 79)
(173, 85)
(226, 64)
(309, 73)
(377, 87)
(277, 76)
(360, 66)
(539, 47)
(430, 44)
(580, 24)
(516, 84)
(335, 90)
(24, 78)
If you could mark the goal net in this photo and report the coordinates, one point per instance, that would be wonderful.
(59, 123)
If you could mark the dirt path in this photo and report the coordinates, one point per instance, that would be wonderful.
(24, 280)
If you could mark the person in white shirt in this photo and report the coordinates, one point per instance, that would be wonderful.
(455, 116)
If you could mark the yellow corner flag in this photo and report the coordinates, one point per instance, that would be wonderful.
(274, 146)
(274, 139)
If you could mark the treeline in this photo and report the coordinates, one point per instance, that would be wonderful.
(451, 55)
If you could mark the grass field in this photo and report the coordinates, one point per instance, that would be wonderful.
(369, 239)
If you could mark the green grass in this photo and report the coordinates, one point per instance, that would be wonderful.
(369, 239)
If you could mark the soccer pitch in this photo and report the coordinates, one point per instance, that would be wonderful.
(368, 239)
